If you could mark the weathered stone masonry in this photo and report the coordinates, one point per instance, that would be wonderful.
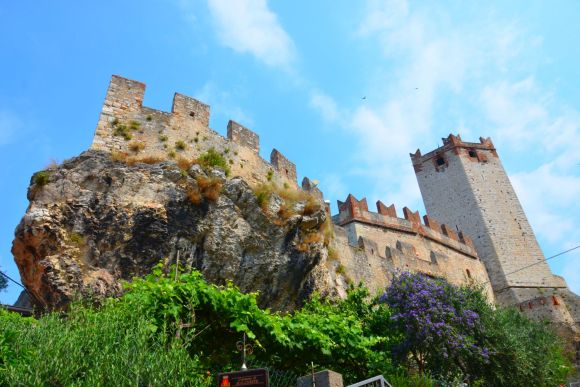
(375, 244)
(157, 133)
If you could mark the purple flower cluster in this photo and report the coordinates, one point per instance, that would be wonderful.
(432, 316)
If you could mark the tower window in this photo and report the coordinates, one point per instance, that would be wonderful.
(192, 114)
(440, 161)
(468, 273)
(472, 153)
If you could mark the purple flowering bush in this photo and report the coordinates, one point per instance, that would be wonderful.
(453, 333)
(438, 330)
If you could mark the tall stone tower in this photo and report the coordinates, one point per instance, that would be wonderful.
(464, 185)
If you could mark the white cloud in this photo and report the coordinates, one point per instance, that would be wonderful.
(249, 26)
(325, 105)
(528, 121)
(381, 15)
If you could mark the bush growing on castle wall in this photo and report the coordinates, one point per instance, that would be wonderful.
(212, 158)
(121, 130)
(180, 145)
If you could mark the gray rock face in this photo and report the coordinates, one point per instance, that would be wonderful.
(98, 221)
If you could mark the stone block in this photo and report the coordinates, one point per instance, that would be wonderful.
(324, 378)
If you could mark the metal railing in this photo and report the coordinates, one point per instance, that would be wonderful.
(377, 381)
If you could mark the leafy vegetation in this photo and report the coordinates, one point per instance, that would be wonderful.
(181, 330)
(121, 130)
(134, 125)
(77, 238)
(41, 178)
(114, 346)
(212, 158)
(180, 145)
(452, 331)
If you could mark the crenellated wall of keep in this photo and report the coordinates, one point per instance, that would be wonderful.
(127, 127)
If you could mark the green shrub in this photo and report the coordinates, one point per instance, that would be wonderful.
(121, 130)
(180, 145)
(134, 125)
(212, 158)
(170, 330)
(41, 178)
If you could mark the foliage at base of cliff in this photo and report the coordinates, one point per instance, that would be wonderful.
(181, 330)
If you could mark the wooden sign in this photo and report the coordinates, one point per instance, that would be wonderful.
(250, 378)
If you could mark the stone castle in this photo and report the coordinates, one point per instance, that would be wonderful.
(475, 231)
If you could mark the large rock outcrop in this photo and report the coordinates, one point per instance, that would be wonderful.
(93, 222)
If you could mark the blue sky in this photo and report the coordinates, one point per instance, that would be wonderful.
(296, 73)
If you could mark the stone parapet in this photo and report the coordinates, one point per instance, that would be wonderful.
(126, 126)
(353, 210)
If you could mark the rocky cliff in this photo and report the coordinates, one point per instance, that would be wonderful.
(94, 221)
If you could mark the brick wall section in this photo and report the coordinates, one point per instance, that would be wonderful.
(190, 109)
(387, 211)
(243, 136)
(284, 166)
(465, 185)
(188, 122)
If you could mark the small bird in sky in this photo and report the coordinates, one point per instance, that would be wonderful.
(365, 97)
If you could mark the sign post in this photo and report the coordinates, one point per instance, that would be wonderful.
(249, 378)
(245, 378)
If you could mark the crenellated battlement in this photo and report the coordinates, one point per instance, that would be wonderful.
(373, 245)
(126, 126)
(476, 152)
(353, 210)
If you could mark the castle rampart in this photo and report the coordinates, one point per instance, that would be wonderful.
(127, 127)
(353, 210)
(374, 245)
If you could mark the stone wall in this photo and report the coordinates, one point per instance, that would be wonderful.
(126, 126)
(464, 185)
(373, 245)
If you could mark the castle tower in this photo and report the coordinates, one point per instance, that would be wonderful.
(464, 185)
